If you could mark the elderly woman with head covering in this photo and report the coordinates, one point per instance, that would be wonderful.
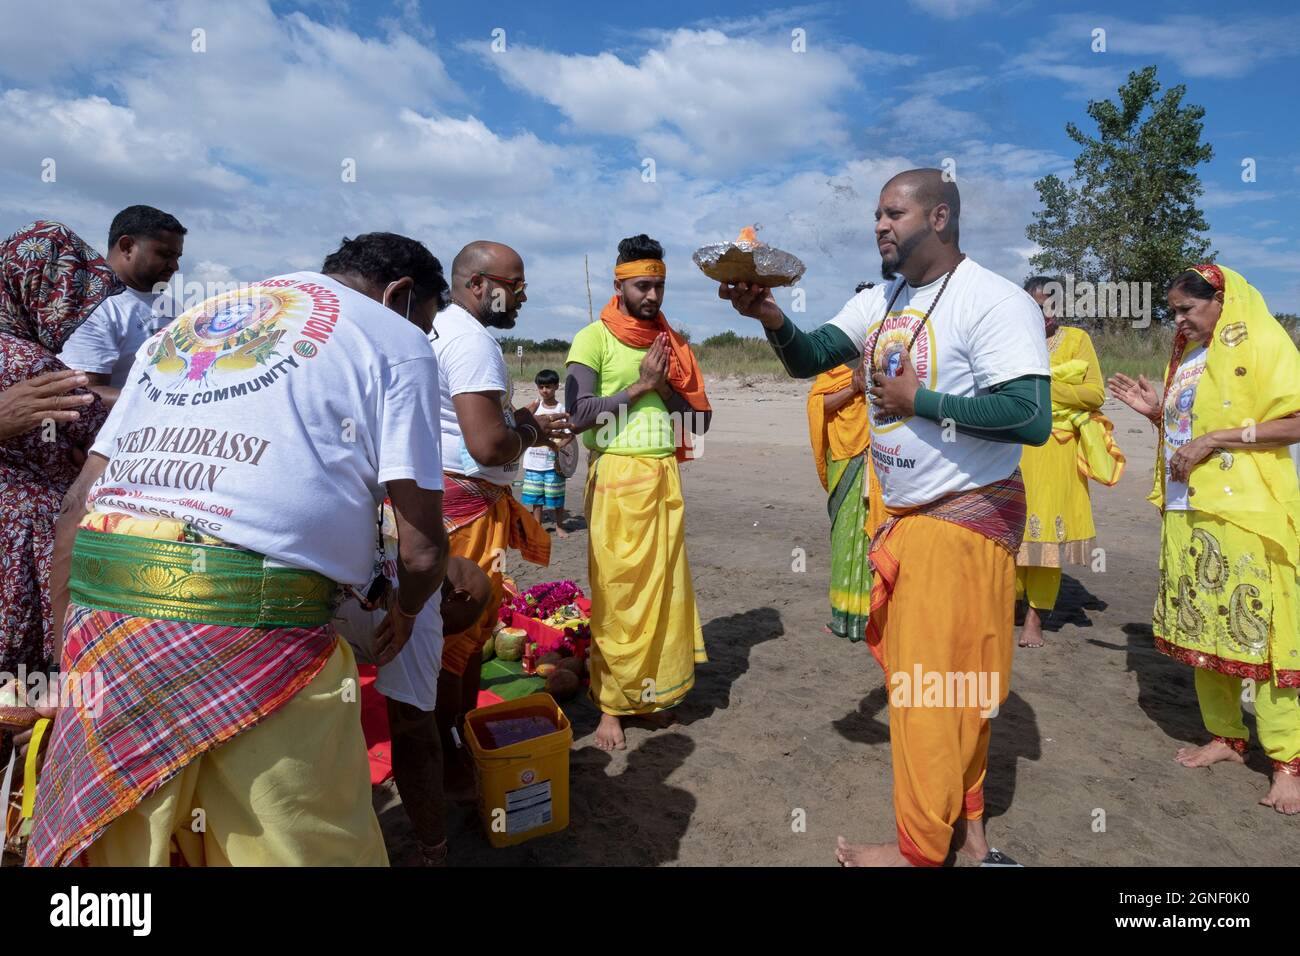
(1229, 600)
(50, 282)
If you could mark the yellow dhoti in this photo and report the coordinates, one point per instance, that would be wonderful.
(646, 635)
(293, 790)
(946, 652)
(483, 541)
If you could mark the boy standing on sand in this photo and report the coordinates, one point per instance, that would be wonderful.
(543, 482)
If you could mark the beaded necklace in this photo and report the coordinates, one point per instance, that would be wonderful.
(869, 352)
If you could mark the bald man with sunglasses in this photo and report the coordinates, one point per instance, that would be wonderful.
(483, 441)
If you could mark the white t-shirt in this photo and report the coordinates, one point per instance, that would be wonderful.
(985, 331)
(106, 342)
(469, 360)
(1179, 399)
(271, 418)
(542, 457)
(411, 676)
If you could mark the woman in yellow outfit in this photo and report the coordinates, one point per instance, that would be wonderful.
(1229, 601)
(1058, 510)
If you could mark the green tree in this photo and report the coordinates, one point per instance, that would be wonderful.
(1129, 213)
(722, 338)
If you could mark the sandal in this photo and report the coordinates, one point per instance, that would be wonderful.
(996, 857)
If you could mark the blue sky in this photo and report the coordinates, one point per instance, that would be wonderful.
(543, 144)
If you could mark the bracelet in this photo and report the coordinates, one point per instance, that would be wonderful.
(531, 428)
(410, 617)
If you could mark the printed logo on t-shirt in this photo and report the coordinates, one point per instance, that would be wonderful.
(891, 343)
(240, 342)
(1179, 401)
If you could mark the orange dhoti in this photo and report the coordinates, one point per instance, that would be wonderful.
(483, 537)
(941, 627)
(483, 541)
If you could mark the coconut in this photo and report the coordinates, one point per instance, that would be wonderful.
(562, 684)
(572, 665)
(510, 643)
(545, 669)
(489, 649)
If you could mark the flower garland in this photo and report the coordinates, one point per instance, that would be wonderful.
(554, 603)
(548, 601)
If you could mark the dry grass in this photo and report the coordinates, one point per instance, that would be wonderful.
(749, 358)
(1131, 351)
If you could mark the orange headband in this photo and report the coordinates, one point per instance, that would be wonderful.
(1211, 274)
(641, 267)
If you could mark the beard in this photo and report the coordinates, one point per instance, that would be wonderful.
(889, 267)
(496, 320)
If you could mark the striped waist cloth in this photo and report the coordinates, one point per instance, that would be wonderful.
(996, 511)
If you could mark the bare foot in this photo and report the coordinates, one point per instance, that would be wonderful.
(609, 733)
(1031, 635)
(1213, 752)
(868, 854)
(968, 839)
(560, 532)
(1284, 795)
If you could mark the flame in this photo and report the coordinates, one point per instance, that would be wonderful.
(747, 235)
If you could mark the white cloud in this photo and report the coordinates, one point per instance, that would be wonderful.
(705, 101)
(1215, 46)
(1217, 197)
(91, 139)
(951, 9)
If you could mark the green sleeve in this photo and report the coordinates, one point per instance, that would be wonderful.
(1017, 412)
(807, 354)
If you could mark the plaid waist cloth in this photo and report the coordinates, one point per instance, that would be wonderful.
(465, 500)
(996, 511)
(156, 694)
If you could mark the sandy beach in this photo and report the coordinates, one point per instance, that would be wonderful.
(786, 718)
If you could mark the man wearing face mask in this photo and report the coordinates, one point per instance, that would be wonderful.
(231, 492)
(144, 250)
(483, 442)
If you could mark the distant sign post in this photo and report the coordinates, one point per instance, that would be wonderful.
(519, 350)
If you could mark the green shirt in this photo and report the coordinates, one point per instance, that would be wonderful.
(645, 430)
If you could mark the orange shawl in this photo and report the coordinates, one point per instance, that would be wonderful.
(684, 373)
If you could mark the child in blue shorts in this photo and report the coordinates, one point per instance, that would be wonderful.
(543, 484)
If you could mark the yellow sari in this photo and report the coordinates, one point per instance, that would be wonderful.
(1228, 580)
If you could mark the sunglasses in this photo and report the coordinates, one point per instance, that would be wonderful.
(516, 285)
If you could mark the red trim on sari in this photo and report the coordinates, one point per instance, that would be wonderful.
(1261, 673)
(1291, 768)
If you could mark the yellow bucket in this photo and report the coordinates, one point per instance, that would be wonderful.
(523, 787)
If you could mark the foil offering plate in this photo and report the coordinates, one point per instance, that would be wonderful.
(748, 260)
